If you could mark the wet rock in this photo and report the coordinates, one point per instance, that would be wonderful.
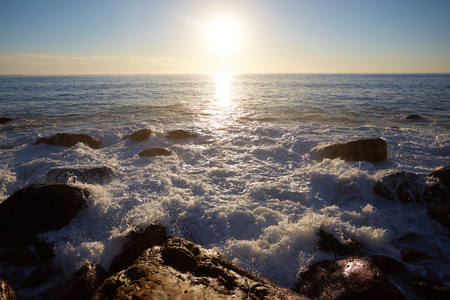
(39, 208)
(44, 250)
(328, 243)
(40, 275)
(413, 117)
(139, 136)
(4, 120)
(399, 185)
(443, 175)
(371, 150)
(179, 134)
(137, 242)
(97, 175)
(6, 292)
(83, 283)
(69, 140)
(17, 256)
(429, 289)
(156, 152)
(348, 278)
(414, 255)
(388, 265)
(182, 269)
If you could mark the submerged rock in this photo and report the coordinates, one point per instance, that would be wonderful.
(156, 152)
(86, 175)
(371, 150)
(39, 208)
(4, 120)
(414, 255)
(399, 185)
(83, 283)
(413, 117)
(6, 292)
(179, 134)
(328, 243)
(182, 269)
(69, 140)
(139, 136)
(349, 278)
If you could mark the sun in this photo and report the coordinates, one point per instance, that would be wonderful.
(223, 34)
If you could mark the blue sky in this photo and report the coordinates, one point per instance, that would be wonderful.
(137, 36)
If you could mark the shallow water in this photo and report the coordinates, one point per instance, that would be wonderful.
(246, 186)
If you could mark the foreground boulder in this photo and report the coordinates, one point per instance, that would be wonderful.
(179, 134)
(69, 140)
(348, 278)
(156, 152)
(39, 208)
(139, 136)
(180, 269)
(6, 292)
(371, 150)
(85, 175)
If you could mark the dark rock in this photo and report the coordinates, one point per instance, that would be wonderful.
(17, 256)
(413, 117)
(328, 243)
(40, 275)
(156, 152)
(414, 255)
(6, 292)
(39, 208)
(161, 273)
(83, 283)
(429, 289)
(399, 185)
(443, 175)
(44, 250)
(4, 120)
(179, 134)
(348, 278)
(87, 175)
(388, 265)
(137, 242)
(371, 150)
(139, 136)
(69, 140)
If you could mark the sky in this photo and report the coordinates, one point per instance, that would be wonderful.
(279, 36)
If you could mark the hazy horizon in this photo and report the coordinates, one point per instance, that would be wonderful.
(197, 36)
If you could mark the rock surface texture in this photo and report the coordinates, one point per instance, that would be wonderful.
(6, 292)
(69, 140)
(372, 150)
(139, 136)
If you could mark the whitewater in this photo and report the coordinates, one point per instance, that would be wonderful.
(246, 186)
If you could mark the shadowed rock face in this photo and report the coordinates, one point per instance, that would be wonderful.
(349, 278)
(39, 208)
(69, 140)
(139, 136)
(371, 150)
(180, 269)
(88, 175)
(179, 134)
(156, 152)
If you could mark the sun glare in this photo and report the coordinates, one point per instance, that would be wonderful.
(223, 34)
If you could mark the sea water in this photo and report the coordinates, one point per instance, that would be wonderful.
(246, 186)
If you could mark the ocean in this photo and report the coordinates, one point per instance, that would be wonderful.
(246, 186)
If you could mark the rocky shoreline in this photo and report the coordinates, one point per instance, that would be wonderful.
(153, 265)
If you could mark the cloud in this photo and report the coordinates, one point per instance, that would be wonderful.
(44, 64)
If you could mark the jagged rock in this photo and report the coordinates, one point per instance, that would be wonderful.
(179, 134)
(17, 256)
(137, 242)
(156, 152)
(182, 269)
(139, 136)
(328, 243)
(87, 175)
(388, 265)
(83, 283)
(6, 292)
(443, 175)
(399, 185)
(69, 140)
(414, 255)
(4, 120)
(429, 289)
(348, 278)
(372, 150)
(39, 208)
